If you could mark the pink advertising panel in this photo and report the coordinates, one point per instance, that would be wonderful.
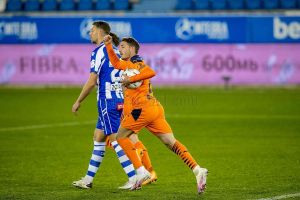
(175, 64)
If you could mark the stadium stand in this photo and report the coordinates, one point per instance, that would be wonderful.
(289, 4)
(14, 5)
(49, 5)
(121, 5)
(85, 5)
(184, 5)
(32, 5)
(236, 4)
(253, 4)
(218, 4)
(141, 6)
(67, 5)
(202, 4)
(154, 6)
(270, 4)
(103, 5)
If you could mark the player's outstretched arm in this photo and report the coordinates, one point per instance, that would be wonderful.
(145, 73)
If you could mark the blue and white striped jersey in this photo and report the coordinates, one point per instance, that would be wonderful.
(109, 86)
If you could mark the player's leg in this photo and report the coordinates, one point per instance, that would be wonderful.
(128, 146)
(95, 161)
(163, 131)
(144, 156)
(111, 122)
(141, 151)
(178, 148)
(174, 145)
(125, 163)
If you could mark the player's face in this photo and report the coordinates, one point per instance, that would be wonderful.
(124, 49)
(94, 35)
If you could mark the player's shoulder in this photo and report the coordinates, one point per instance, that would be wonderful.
(140, 65)
(138, 62)
(99, 51)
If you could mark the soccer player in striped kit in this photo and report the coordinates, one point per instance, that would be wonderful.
(109, 102)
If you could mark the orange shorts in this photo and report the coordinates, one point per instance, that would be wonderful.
(151, 117)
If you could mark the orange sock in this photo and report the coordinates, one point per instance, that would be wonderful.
(144, 156)
(130, 151)
(183, 153)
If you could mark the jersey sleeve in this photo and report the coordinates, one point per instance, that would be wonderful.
(145, 73)
(114, 59)
(97, 60)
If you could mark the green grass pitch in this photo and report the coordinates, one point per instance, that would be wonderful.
(248, 138)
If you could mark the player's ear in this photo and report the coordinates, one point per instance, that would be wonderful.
(132, 50)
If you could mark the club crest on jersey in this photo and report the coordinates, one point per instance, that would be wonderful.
(120, 106)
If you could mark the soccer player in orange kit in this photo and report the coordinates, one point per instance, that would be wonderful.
(142, 109)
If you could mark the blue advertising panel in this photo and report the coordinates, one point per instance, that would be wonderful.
(177, 29)
(275, 29)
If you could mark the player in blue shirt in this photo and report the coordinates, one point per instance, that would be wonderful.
(110, 102)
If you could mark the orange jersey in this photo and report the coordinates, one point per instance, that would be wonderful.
(141, 96)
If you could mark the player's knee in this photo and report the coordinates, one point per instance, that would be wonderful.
(112, 137)
(167, 139)
(99, 136)
(120, 136)
(124, 133)
(134, 138)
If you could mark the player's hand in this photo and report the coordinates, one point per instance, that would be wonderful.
(107, 39)
(75, 107)
(125, 81)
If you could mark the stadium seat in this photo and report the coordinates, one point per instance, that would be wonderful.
(32, 5)
(271, 4)
(103, 5)
(85, 5)
(184, 5)
(218, 4)
(121, 5)
(67, 5)
(156, 6)
(14, 5)
(253, 4)
(236, 4)
(49, 5)
(201, 4)
(288, 4)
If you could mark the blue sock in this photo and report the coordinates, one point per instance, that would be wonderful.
(96, 159)
(124, 160)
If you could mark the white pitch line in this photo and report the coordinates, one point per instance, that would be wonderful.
(205, 116)
(281, 197)
(40, 126)
(184, 116)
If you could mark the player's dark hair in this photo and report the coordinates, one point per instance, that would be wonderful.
(132, 42)
(115, 39)
(102, 25)
(106, 28)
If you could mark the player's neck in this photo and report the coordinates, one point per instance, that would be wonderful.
(99, 42)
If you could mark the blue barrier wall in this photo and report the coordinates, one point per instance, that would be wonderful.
(186, 29)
